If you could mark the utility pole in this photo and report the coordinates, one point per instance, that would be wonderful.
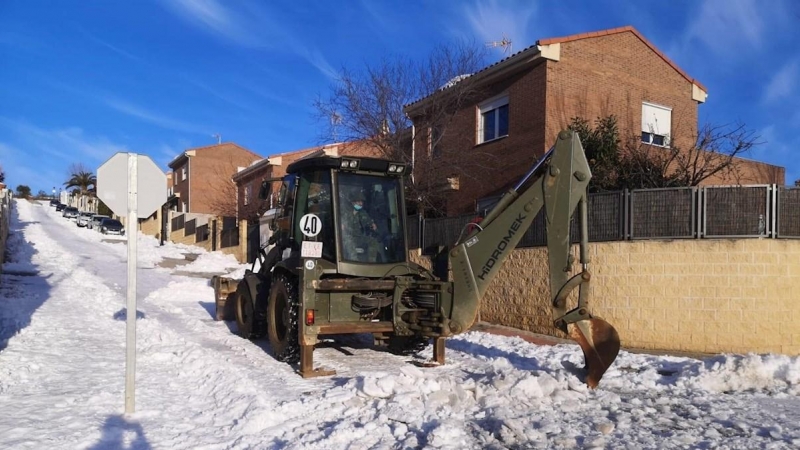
(219, 138)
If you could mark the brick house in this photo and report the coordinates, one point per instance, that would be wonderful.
(525, 99)
(248, 181)
(201, 180)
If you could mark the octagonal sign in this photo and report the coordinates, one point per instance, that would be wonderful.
(112, 184)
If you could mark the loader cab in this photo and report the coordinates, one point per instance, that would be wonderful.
(353, 206)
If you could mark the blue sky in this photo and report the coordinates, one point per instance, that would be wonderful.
(83, 79)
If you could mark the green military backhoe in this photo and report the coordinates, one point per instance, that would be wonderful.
(337, 261)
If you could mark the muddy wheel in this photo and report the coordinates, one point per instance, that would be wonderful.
(282, 319)
(406, 345)
(245, 313)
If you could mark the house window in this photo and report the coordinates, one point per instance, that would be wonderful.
(183, 173)
(656, 124)
(247, 190)
(493, 119)
(185, 207)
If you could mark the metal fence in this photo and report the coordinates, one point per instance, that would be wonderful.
(673, 213)
(201, 233)
(178, 222)
(788, 218)
(190, 227)
(229, 236)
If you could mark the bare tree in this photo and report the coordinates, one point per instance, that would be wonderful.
(630, 163)
(715, 154)
(368, 105)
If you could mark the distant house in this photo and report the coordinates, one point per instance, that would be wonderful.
(201, 178)
(248, 182)
(525, 99)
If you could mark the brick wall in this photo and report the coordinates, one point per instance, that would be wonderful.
(694, 295)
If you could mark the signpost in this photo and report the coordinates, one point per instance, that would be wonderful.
(132, 186)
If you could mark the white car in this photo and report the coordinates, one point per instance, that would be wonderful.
(94, 224)
(83, 219)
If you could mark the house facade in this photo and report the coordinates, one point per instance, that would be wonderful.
(201, 178)
(527, 98)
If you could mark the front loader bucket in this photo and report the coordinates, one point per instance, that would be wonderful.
(600, 344)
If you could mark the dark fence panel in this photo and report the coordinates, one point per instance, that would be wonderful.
(189, 227)
(606, 216)
(536, 234)
(229, 238)
(663, 213)
(736, 211)
(444, 231)
(201, 234)
(229, 223)
(412, 231)
(788, 212)
(178, 222)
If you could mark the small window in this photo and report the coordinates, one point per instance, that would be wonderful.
(493, 119)
(656, 124)
(247, 190)
(183, 173)
(185, 207)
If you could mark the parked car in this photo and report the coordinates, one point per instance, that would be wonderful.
(94, 224)
(70, 212)
(84, 218)
(60, 206)
(54, 202)
(112, 226)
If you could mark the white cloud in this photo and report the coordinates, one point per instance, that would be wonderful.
(211, 15)
(493, 20)
(734, 28)
(783, 83)
(153, 118)
(39, 157)
(249, 25)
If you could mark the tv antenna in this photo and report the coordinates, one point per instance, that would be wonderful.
(336, 120)
(505, 43)
(218, 136)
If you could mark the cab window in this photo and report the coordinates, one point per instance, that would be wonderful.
(314, 203)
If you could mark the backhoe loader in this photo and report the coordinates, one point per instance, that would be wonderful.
(332, 268)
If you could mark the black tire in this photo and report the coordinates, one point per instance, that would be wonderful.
(245, 313)
(406, 345)
(282, 312)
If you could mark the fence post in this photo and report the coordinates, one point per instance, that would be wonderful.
(774, 212)
(421, 234)
(626, 215)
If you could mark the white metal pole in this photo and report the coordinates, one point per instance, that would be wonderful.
(130, 328)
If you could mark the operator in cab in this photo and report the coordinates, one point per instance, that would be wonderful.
(360, 232)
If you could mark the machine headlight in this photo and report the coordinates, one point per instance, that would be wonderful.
(353, 164)
(392, 168)
(344, 164)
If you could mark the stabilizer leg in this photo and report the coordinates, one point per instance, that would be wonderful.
(307, 364)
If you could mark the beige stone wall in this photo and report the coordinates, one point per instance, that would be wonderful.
(693, 295)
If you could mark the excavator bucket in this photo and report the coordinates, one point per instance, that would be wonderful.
(600, 344)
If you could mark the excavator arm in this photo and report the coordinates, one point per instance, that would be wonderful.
(558, 184)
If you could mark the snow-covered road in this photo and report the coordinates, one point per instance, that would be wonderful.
(62, 349)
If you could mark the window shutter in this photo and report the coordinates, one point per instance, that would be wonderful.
(656, 119)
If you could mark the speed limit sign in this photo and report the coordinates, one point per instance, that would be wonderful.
(310, 225)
